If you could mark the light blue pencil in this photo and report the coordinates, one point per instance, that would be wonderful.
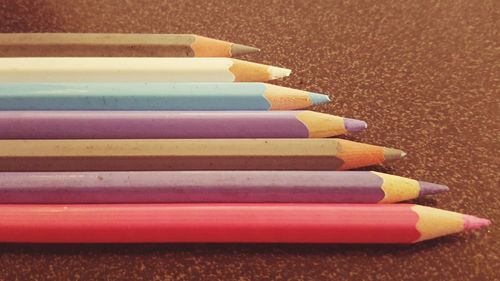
(154, 96)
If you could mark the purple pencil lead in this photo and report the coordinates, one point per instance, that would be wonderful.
(353, 125)
(427, 188)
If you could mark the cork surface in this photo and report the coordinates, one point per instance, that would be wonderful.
(423, 74)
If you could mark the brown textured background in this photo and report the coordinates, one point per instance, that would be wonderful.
(424, 74)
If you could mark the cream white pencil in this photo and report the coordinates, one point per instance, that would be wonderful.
(112, 69)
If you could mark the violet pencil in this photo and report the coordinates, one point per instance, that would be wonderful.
(172, 124)
(210, 186)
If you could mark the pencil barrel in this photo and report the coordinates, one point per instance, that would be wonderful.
(116, 45)
(154, 96)
(225, 223)
(161, 124)
(187, 154)
(189, 187)
(140, 70)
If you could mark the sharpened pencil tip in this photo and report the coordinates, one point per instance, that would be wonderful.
(318, 98)
(278, 72)
(428, 188)
(238, 49)
(391, 154)
(472, 222)
(353, 125)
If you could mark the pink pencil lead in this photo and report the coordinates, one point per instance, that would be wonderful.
(472, 222)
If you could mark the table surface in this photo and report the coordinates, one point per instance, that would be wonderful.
(423, 74)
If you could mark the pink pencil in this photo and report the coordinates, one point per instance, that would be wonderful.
(276, 223)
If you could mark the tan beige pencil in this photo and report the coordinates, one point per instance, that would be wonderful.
(190, 154)
(116, 45)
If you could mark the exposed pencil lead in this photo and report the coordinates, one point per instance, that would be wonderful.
(472, 222)
(318, 98)
(239, 49)
(278, 72)
(353, 125)
(391, 154)
(427, 188)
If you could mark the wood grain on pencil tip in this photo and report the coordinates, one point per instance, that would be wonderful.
(154, 96)
(191, 154)
(210, 186)
(126, 69)
(232, 223)
(116, 45)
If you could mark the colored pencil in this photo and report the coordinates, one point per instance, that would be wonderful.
(154, 96)
(136, 70)
(116, 45)
(230, 223)
(171, 124)
(190, 154)
(210, 186)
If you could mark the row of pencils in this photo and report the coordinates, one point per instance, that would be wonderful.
(147, 138)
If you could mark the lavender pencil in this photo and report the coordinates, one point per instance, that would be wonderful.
(210, 186)
(172, 124)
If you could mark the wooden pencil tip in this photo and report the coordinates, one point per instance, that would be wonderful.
(391, 154)
(238, 49)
